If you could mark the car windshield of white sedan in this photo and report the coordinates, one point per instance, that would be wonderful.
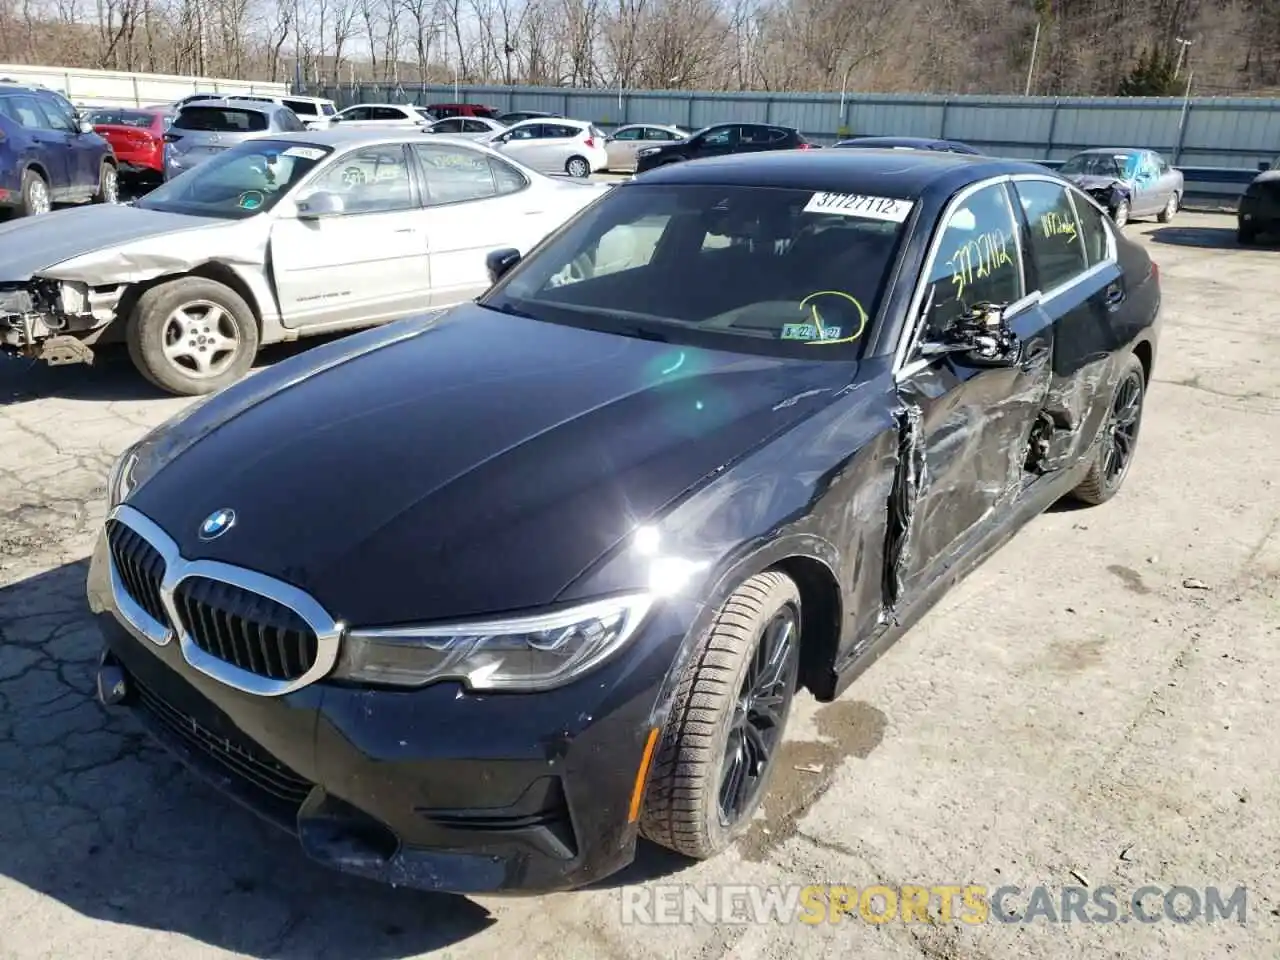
(779, 271)
(243, 181)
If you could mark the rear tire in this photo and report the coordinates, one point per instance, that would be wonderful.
(108, 184)
(1170, 209)
(36, 198)
(192, 336)
(1119, 437)
(578, 168)
(729, 714)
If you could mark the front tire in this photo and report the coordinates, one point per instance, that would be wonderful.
(722, 739)
(578, 168)
(1120, 214)
(192, 336)
(1119, 438)
(1170, 209)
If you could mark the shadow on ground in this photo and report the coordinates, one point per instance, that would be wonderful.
(111, 377)
(1207, 238)
(104, 822)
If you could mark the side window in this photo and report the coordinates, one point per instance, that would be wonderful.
(777, 134)
(532, 132)
(723, 137)
(302, 107)
(631, 133)
(1093, 229)
(977, 259)
(356, 113)
(455, 174)
(387, 113)
(558, 131)
(373, 180)
(1057, 249)
(27, 112)
(474, 126)
(289, 121)
(506, 177)
(452, 125)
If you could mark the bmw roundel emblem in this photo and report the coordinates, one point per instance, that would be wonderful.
(217, 523)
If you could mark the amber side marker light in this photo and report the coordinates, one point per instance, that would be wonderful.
(642, 775)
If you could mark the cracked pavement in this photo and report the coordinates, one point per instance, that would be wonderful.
(1095, 705)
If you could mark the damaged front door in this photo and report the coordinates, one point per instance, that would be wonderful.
(968, 413)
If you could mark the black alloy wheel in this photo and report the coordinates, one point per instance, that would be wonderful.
(1118, 439)
(759, 717)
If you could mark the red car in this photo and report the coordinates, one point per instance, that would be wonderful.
(442, 110)
(136, 135)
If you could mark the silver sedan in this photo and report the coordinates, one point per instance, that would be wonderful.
(279, 237)
(625, 142)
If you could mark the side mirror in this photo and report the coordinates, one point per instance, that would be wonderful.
(86, 126)
(500, 262)
(980, 338)
(320, 204)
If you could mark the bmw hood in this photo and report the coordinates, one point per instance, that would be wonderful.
(472, 465)
(77, 237)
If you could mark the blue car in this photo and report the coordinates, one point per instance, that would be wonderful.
(49, 154)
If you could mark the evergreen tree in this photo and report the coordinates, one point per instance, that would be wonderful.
(1152, 76)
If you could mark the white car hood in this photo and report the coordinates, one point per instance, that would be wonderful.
(107, 241)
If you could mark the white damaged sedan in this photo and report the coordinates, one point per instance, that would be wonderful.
(272, 239)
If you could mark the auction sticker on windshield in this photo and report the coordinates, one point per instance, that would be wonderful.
(305, 153)
(859, 205)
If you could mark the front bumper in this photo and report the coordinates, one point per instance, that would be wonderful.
(437, 788)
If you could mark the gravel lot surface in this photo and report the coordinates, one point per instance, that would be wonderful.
(1096, 705)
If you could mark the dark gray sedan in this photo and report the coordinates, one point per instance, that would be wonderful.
(1129, 182)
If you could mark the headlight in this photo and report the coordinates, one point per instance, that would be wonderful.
(122, 480)
(522, 653)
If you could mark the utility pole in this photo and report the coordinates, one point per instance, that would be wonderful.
(1031, 67)
(1182, 52)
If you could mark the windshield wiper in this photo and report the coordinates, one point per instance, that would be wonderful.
(640, 333)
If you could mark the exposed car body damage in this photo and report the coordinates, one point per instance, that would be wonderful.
(609, 442)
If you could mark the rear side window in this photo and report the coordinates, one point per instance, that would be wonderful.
(559, 130)
(328, 109)
(24, 110)
(1093, 231)
(302, 107)
(1056, 244)
(221, 120)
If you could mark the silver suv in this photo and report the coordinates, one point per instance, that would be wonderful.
(204, 129)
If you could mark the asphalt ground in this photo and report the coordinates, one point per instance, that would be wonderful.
(1096, 706)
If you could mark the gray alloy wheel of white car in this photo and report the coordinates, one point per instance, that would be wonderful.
(578, 168)
(192, 336)
(1121, 213)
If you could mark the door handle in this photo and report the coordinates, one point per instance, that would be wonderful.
(533, 213)
(406, 230)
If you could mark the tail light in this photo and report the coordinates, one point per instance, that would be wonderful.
(1155, 270)
(590, 142)
(805, 146)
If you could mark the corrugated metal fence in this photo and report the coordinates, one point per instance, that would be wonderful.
(1215, 141)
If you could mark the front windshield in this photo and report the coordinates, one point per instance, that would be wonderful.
(761, 270)
(1100, 164)
(246, 180)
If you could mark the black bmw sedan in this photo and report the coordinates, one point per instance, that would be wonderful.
(471, 602)
(722, 140)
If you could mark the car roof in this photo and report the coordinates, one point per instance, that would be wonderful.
(569, 120)
(398, 106)
(341, 136)
(871, 171)
(1113, 150)
(901, 140)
